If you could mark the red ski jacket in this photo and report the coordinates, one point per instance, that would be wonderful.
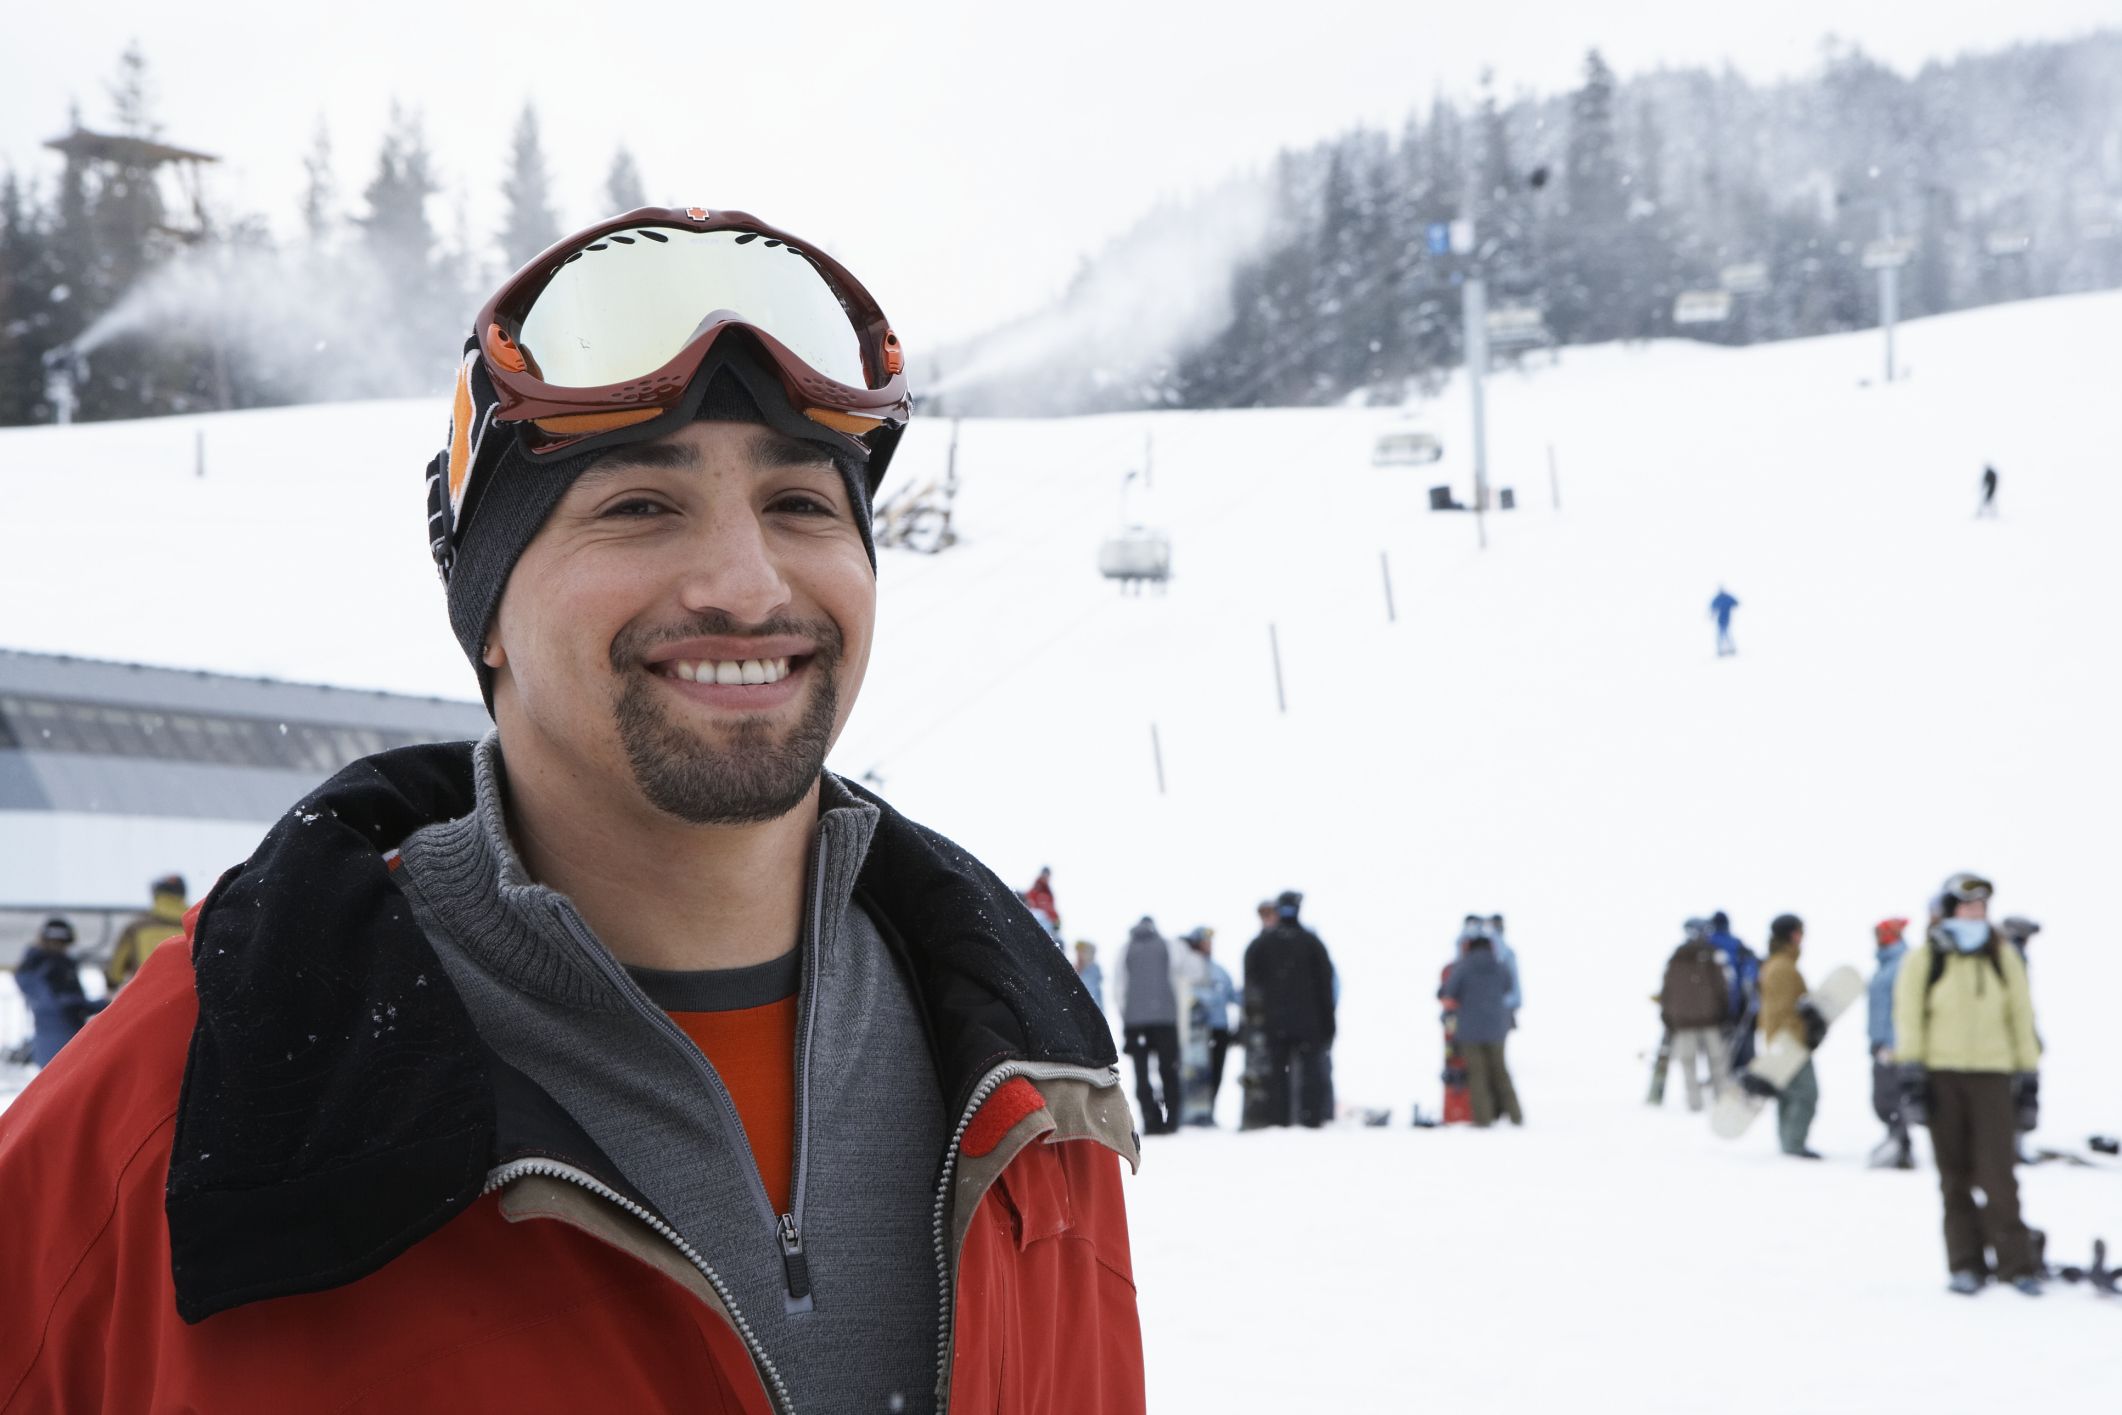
(191, 1227)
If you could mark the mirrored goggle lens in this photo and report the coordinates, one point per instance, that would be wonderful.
(1969, 888)
(625, 305)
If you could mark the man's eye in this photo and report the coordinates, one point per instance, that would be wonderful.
(802, 504)
(636, 506)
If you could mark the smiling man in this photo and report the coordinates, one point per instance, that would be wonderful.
(628, 1059)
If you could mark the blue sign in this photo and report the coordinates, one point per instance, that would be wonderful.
(1440, 238)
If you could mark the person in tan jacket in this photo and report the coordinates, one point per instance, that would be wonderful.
(1964, 1039)
(1782, 989)
(163, 921)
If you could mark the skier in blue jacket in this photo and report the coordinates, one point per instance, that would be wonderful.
(1742, 972)
(1720, 609)
(50, 981)
(1896, 1151)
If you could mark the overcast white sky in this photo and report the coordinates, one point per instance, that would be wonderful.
(960, 156)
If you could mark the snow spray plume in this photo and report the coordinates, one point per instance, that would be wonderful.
(1142, 303)
(315, 328)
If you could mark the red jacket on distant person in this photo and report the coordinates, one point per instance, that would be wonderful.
(369, 1267)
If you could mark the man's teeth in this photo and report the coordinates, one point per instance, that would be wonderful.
(750, 670)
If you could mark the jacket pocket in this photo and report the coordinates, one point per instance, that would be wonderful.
(1034, 1194)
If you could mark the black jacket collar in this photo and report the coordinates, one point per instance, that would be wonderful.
(338, 1105)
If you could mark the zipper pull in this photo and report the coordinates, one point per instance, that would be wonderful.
(795, 1265)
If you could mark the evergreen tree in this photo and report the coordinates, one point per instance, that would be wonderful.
(320, 189)
(25, 305)
(529, 225)
(623, 191)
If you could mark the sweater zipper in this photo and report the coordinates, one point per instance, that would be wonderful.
(514, 1170)
(785, 1228)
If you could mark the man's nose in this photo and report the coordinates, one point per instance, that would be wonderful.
(731, 567)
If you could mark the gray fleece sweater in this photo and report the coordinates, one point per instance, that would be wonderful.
(870, 1127)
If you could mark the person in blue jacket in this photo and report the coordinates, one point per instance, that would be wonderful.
(50, 981)
(1896, 1151)
(1742, 973)
(1217, 997)
(1720, 609)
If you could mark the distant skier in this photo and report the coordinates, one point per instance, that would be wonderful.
(1216, 995)
(1147, 995)
(1479, 983)
(1964, 1035)
(1508, 957)
(1989, 492)
(1782, 1010)
(1040, 900)
(1742, 975)
(1897, 1150)
(163, 921)
(1289, 995)
(1694, 1003)
(1088, 970)
(2019, 932)
(1720, 609)
(50, 981)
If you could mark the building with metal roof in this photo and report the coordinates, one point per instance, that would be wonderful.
(115, 774)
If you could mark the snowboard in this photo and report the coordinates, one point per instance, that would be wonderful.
(1783, 1058)
(1256, 1083)
(1196, 1105)
(1659, 1066)
(1458, 1100)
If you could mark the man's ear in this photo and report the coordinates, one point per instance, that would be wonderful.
(492, 654)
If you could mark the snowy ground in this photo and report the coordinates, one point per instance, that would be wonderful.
(1544, 732)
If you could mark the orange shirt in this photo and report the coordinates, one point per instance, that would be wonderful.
(753, 1050)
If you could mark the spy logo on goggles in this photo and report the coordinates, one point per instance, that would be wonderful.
(597, 342)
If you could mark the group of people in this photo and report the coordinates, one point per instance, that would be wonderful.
(1952, 1044)
(1181, 1012)
(49, 975)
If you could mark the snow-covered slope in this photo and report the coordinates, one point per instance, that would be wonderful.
(1544, 732)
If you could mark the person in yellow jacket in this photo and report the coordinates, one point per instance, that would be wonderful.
(163, 921)
(1964, 1040)
(1782, 990)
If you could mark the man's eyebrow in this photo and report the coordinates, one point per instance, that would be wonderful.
(645, 456)
(766, 447)
(777, 449)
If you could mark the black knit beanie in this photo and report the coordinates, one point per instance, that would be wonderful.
(735, 384)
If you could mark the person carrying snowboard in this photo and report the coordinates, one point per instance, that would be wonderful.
(1783, 1010)
(1480, 985)
(1289, 988)
(1969, 1068)
(1896, 1151)
(1989, 492)
(1720, 610)
(1693, 1001)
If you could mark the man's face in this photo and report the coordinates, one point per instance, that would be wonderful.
(691, 626)
(1971, 909)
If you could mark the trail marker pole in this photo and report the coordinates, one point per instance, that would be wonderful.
(1385, 563)
(1156, 751)
(1274, 648)
(1474, 307)
(1554, 477)
(199, 453)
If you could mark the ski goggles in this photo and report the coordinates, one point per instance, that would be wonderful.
(597, 342)
(1967, 887)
